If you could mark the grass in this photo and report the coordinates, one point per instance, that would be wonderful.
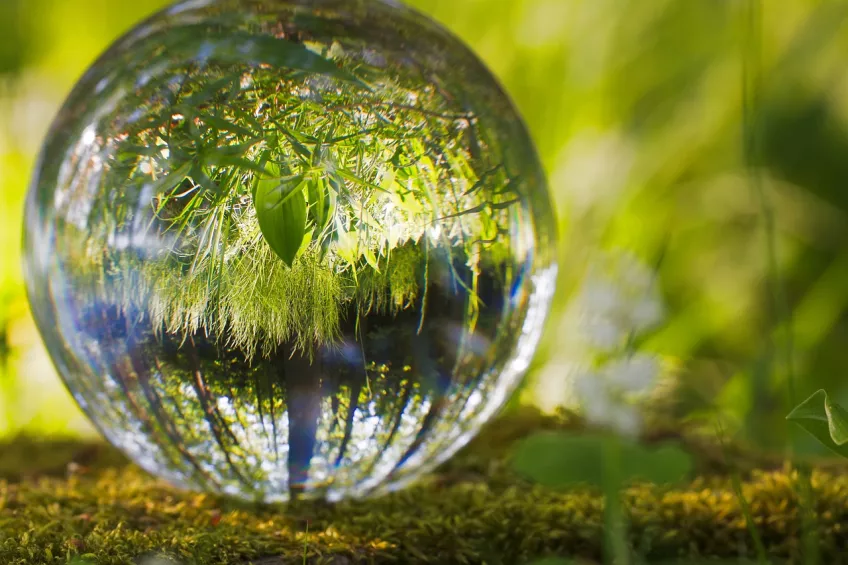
(473, 510)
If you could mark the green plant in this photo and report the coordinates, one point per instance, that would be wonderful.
(287, 195)
(566, 460)
(112, 513)
(825, 420)
(608, 463)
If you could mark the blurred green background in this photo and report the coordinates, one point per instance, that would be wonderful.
(638, 111)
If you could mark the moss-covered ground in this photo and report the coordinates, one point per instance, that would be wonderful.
(66, 501)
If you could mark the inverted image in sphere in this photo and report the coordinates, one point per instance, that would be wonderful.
(286, 248)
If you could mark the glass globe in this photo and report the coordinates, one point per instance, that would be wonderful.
(284, 248)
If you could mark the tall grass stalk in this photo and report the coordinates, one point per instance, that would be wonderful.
(782, 352)
(616, 547)
(751, 92)
(744, 505)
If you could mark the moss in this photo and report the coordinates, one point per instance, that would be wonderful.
(102, 510)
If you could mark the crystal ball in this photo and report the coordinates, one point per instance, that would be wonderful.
(289, 248)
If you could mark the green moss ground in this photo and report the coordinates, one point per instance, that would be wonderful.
(66, 501)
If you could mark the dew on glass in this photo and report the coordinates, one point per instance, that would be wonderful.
(288, 248)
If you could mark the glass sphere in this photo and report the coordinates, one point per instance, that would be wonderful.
(286, 248)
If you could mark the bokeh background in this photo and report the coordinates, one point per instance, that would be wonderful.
(698, 158)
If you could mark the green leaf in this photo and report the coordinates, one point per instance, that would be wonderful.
(209, 91)
(347, 175)
(281, 210)
(222, 124)
(129, 151)
(297, 146)
(308, 236)
(221, 155)
(371, 259)
(559, 460)
(317, 195)
(172, 180)
(331, 203)
(664, 465)
(239, 162)
(837, 419)
(236, 47)
(826, 420)
(347, 244)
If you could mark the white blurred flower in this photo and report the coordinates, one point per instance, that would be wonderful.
(603, 332)
(646, 313)
(619, 298)
(601, 296)
(594, 397)
(602, 408)
(594, 368)
(610, 398)
(634, 375)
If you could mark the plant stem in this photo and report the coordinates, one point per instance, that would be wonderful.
(616, 547)
(752, 87)
(744, 506)
(749, 518)
(807, 506)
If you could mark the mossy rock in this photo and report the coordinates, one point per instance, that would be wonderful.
(74, 502)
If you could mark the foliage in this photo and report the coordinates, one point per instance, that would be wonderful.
(292, 151)
(642, 142)
(825, 419)
(111, 513)
(558, 459)
(281, 212)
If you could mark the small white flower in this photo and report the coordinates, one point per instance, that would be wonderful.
(603, 408)
(635, 375)
(594, 397)
(646, 313)
(601, 297)
(618, 300)
(626, 420)
(606, 397)
(603, 333)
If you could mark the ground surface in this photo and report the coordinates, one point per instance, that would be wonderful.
(72, 502)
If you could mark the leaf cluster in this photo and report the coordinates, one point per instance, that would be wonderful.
(290, 154)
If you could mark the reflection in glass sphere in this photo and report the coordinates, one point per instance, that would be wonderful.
(289, 248)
